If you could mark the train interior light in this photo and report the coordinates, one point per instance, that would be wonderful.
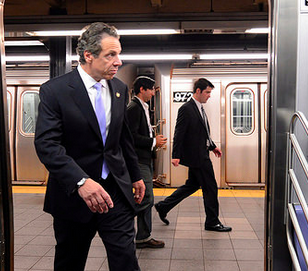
(233, 56)
(35, 58)
(156, 57)
(23, 43)
(258, 30)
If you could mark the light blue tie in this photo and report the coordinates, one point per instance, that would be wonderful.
(101, 118)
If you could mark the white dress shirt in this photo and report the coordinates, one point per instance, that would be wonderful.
(199, 107)
(147, 114)
(89, 83)
(204, 117)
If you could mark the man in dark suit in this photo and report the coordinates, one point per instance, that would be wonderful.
(145, 142)
(191, 146)
(83, 139)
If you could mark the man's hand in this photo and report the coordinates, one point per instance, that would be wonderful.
(95, 196)
(160, 141)
(175, 162)
(217, 152)
(139, 191)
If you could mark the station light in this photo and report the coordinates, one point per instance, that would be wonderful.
(59, 33)
(124, 32)
(121, 32)
(151, 57)
(127, 32)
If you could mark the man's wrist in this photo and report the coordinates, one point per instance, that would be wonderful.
(81, 182)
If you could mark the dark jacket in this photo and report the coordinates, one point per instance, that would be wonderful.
(190, 136)
(68, 142)
(140, 131)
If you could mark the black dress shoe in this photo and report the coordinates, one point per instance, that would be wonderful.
(161, 214)
(152, 243)
(219, 227)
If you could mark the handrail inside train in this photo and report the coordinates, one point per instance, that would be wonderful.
(297, 212)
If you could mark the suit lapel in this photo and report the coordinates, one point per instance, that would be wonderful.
(144, 118)
(81, 98)
(115, 108)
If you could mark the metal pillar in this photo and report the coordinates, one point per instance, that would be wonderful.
(6, 202)
(60, 52)
(282, 83)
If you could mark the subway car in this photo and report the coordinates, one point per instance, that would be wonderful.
(236, 112)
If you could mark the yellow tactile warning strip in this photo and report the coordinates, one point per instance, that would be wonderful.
(29, 189)
(227, 193)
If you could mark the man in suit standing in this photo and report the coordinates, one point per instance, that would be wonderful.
(191, 146)
(83, 139)
(145, 142)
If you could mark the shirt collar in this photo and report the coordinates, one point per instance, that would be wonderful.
(144, 104)
(87, 79)
(197, 103)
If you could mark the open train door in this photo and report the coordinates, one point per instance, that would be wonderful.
(6, 206)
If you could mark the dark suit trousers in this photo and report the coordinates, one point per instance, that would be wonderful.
(116, 229)
(144, 215)
(204, 177)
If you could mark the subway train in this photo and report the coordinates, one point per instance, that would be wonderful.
(236, 111)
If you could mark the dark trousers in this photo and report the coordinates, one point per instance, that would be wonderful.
(144, 209)
(204, 177)
(116, 229)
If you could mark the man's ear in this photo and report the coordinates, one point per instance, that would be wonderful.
(88, 56)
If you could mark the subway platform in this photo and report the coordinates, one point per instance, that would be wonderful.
(188, 245)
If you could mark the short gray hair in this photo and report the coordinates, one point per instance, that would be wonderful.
(90, 39)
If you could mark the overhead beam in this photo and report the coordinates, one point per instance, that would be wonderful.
(156, 3)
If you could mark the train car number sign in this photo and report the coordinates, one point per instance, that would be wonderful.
(182, 96)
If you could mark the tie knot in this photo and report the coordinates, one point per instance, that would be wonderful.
(202, 109)
(98, 86)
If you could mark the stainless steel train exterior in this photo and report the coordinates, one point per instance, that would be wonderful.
(236, 112)
(23, 97)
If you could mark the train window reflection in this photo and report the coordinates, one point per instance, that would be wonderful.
(9, 109)
(30, 101)
(242, 118)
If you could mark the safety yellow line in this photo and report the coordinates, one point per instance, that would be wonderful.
(160, 192)
(29, 189)
(221, 193)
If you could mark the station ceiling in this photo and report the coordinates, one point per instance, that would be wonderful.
(205, 26)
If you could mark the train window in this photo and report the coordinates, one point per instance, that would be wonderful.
(30, 101)
(9, 98)
(242, 111)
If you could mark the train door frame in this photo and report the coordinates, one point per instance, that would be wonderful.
(6, 198)
(24, 146)
(11, 92)
(256, 134)
(224, 76)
